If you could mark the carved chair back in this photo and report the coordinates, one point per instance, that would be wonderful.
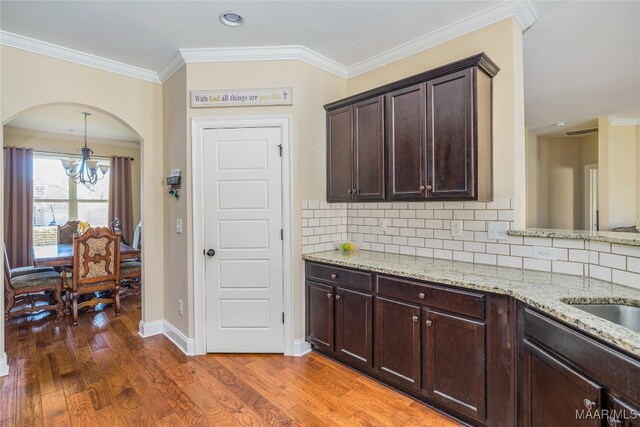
(66, 232)
(7, 268)
(96, 258)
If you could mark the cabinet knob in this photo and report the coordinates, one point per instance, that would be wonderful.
(334, 276)
(337, 296)
(415, 318)
(349, 191)
(429, 188)
(428, 323)
(613, 422)
(329, 295)
(422, 188)
(589, 404)
(421, 295)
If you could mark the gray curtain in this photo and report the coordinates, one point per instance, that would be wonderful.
(120, 195)
(18, 205)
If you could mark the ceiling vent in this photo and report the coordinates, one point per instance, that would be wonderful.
(581, 132)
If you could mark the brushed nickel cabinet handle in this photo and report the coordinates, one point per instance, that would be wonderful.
(334, 276)
(428, 323)
(415, 318)
(589, 404)
(421, 295)
(429, 188)
(337, 296)
(422, 188)
(329, 295)
(613, 422)
(349, 191)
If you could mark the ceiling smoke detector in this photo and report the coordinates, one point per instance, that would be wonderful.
(231, 19)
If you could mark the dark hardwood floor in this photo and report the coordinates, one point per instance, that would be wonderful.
(103, 373)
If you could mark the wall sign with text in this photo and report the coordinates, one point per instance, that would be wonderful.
(241, 97)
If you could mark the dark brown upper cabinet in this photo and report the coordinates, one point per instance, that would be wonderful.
(435, 128)
(355, 151)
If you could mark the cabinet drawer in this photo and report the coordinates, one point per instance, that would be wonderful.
(460, 302)
(341, 276)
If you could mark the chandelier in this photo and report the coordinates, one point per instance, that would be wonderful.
(85, 170)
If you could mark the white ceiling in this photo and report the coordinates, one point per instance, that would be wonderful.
(65, 119)
(582, 58)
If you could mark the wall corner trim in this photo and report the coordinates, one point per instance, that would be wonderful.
(149, 329)
(301, 348)
(4, 367)
(82, 58)
(187, 345)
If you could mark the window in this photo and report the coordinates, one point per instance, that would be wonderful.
(57, 199)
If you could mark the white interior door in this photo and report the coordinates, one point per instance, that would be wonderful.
(243, 222)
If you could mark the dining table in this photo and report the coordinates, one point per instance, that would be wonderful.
(61, 255)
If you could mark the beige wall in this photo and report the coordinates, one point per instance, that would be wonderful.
(502, 42)
(561, 201)
(177, 250)
(28, 80)
(531, 171)
(619, 167)
(104, 148)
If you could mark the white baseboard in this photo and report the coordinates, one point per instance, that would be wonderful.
(4, 367)
(187, 345)
(149, 329)
(301, 347)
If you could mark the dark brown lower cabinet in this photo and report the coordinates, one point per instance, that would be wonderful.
(453, 358)
(354, 327)
(319, 313)
(397, 354)
(555, 394)
(623, 414)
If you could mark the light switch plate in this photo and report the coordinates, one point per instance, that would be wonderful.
(179, 226)
(498, 230)
(456, 228)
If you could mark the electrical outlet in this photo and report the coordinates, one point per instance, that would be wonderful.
(382, 224)
(179, 226)
(456, 228)
(542, 252)
(180, 307)
(498, 230)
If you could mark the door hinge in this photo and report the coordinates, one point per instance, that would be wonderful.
(283, 317)
(281, 234)
(281, 148)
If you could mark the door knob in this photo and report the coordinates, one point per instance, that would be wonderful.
(211, 253)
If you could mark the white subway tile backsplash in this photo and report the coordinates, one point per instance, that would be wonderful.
(613, 261)
(423, 229)
(626, 278)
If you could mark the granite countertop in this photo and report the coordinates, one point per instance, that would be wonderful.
(631, 239)
(548, 292)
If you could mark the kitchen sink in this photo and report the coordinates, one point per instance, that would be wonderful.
(624, 315)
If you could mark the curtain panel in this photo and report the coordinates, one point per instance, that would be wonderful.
(120, 195)
(18, 205)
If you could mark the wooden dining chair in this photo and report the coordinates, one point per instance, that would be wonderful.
(96, 268)
(131, 269)
(66, 232)
(29, 286)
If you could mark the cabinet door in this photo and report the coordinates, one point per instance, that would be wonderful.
(397, 343)
(368, 141)
(453, 369)
(354, 327)
(554, 394)
(339, 154)
(450, 132)
(623, 414)
(319, 322)
(406, 139)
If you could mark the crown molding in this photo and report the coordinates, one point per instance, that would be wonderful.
(171, 67)
(616, 121)
(265, 53)
(59, 52)
(9, 130)
(521, 10)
